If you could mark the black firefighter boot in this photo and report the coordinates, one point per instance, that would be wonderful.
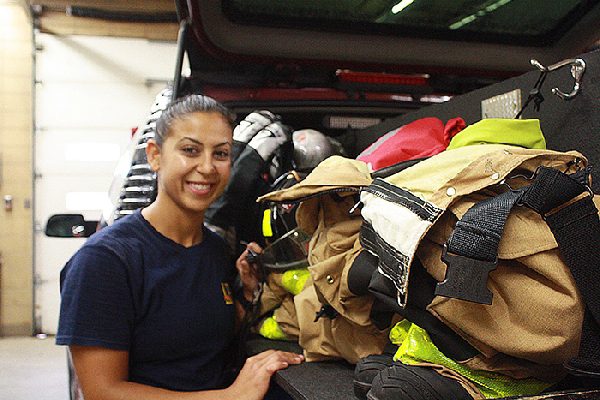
(368, 367)
(410, 382)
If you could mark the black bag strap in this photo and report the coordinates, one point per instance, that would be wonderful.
(576, 227)
(471, 252)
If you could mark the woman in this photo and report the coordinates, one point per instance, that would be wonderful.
(146, 303)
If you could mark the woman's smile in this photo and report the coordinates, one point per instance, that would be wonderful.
(200, 188)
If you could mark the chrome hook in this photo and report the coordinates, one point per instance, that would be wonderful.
(577, 69)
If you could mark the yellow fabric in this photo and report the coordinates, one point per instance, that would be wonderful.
(400, 331)
(517, 132)
(266, 223)
(415, 347)
(294, 280)
(270, 329)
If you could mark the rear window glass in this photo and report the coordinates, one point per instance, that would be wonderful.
(527, 22)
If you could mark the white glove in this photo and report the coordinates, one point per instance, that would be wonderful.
(252, 124)
(269, 139)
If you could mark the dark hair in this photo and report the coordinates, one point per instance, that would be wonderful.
(186, 105)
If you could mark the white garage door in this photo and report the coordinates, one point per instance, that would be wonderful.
(90, 92)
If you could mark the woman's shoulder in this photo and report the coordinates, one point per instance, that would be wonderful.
(114, 252)
(124, 227)
(121, 238)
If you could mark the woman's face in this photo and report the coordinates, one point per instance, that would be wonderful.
(194, 161)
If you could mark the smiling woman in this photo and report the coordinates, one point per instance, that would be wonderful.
(147, 308)
(191, 155)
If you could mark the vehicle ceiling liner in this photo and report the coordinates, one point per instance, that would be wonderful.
(532, 22)
(483, 38)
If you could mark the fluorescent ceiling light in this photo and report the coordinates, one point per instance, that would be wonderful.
(92, 152)
(400, 97)
(401, 6)
(432, 98)
(486, 10)
(86, 201)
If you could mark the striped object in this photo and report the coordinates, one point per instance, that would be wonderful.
(394, 223)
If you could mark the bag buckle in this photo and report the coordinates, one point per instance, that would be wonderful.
(466, 278)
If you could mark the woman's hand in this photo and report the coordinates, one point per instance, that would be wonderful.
(248, 273)
(253, 381)
(103, 375)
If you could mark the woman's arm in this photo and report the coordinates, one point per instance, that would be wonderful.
(103, 374)
(248, 277)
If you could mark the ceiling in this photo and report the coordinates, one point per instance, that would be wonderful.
(156, 20)
(416, 40)
(150, 19)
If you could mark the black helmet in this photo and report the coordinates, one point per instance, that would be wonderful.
(280, 218)
(285, 244)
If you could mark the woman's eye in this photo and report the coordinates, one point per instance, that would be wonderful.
(190, 150)
(222, 155)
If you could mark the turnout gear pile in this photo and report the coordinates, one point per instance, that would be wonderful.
(466, 246)
(518, 312)
(329, 320)
(410, 221)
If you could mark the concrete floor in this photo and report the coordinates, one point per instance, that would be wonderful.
(32, 368)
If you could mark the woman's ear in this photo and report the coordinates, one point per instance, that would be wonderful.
(153, 154)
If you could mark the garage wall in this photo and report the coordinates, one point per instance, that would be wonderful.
(16, 299)
(90, 92)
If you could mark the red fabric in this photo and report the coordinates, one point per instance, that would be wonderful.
(421, 138)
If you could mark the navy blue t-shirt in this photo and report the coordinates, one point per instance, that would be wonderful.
(131, 288)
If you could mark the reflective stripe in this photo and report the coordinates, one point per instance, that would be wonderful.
(266, 223)
(395, 221)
